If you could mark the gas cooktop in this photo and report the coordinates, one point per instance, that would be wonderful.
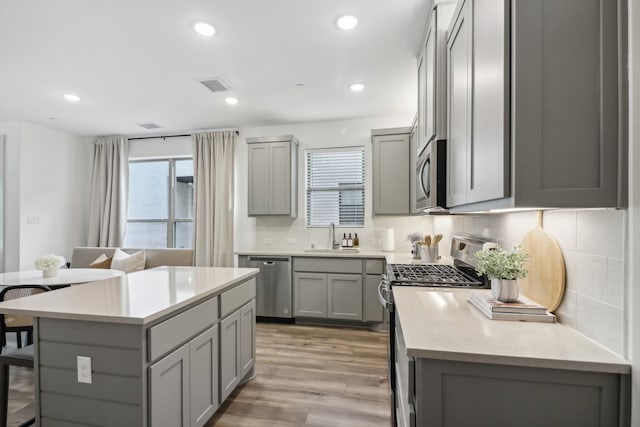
(431, 275)
(461, 274)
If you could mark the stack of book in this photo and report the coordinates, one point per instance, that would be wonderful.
(523, 309)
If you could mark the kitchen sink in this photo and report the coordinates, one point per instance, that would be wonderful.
(346, 251)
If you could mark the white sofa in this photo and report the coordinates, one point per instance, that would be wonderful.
(84, 255)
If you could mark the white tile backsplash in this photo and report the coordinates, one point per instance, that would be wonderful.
(601, 322)
(592, 243)
(601, 232)
(562, 226)
(615, 282)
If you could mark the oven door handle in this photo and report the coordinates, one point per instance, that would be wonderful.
(383, 285)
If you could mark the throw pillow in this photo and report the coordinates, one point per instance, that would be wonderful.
(102, 261)
(128, 263)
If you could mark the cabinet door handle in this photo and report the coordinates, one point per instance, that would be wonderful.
(268, 262)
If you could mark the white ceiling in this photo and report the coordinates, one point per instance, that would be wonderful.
(139, 61)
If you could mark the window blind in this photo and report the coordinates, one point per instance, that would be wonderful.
(335, 187)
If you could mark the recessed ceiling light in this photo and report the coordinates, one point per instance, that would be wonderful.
(204, 29)
(231, 100)
(356, 87)
(71, 97)
(347, 22)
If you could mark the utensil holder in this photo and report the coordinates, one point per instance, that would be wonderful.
(429, 254)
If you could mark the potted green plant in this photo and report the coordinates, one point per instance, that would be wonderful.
(504, 268)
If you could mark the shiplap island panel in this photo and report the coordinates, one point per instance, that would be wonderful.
(153, 338)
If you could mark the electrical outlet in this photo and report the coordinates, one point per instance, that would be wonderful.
(84, 369)
(291, 240)
(376, 242)
(268, 241)
(33, 219)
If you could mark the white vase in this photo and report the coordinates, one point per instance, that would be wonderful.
(505, 290)
(50, 272)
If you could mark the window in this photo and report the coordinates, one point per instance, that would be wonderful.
(335, 187)
(160, 204)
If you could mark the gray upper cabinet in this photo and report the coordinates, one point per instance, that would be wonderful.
(273, 176)
(534, 105)
(432, 82)
(459, 105)
(391, 171)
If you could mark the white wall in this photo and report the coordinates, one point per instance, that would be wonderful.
(48, 182)
(252, 232)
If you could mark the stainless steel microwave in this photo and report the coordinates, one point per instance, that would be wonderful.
(431, 173)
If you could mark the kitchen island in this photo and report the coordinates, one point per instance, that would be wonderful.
(456, 367)
(160, 347)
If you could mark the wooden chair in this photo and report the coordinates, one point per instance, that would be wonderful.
(18, 323)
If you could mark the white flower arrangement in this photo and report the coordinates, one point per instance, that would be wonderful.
(496, 263)
(49, 261)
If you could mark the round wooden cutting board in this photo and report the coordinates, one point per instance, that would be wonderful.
(546, 280)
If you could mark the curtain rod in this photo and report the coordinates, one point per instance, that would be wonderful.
(166, 136)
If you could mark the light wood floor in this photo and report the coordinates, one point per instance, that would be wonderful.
(305, 376)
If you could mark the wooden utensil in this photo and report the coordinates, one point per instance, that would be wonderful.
(546, 280)
(427, 240)
(436, 240)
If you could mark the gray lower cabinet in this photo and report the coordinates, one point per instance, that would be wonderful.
(535, 112)
(169, 390)
(434, 393)
(345, 296)
(184, 385)
(337, 288)
(392, 171)
(310, 292)
(333, 296)
(237, 347)
(373, 311)
(229, 354)
(204, 383)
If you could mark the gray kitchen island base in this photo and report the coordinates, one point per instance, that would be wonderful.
(168, 356)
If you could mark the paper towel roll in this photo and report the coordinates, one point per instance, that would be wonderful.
(388, 240)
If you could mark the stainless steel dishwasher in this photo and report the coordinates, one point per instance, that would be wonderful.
(273, 285)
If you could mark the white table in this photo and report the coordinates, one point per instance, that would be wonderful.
(65, 276)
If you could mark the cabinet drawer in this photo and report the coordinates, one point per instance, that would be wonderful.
(374, 266)
(235, 298)
(327, 265)
(179, 329)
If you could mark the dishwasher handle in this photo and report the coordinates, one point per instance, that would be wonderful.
(269, 260)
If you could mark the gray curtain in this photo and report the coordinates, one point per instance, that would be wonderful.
(213, 199)
(109, 192)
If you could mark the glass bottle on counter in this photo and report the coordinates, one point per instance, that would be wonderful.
(356, 241)
(349, 241)
(344, 240)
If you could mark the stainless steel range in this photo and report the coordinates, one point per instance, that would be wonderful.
(461, 274)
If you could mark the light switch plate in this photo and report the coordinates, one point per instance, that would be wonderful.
(84, 369)
(291, 241)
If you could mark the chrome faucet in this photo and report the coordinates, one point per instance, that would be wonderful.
(332, 236)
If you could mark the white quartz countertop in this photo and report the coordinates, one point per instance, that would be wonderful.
(398, 257)
(441, 324)
(135, 298)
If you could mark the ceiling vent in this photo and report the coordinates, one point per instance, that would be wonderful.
(149, 125)
(215, 85)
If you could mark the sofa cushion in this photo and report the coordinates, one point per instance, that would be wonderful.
(102, 261)
(128, 263)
